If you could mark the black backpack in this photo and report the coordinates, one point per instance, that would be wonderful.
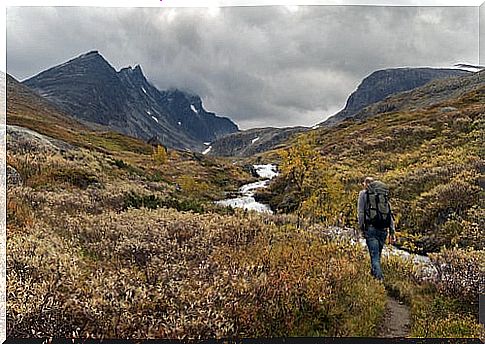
(377, 209)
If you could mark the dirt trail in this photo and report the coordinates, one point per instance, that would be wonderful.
(396, 321)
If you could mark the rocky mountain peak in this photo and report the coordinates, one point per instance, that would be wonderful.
(134, 75)
(90, 89)
(92, 59)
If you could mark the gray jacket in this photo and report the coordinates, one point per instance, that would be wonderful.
(361, 213)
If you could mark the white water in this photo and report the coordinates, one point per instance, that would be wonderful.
(246, 200)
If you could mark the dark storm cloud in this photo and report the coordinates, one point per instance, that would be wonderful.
(259, 65)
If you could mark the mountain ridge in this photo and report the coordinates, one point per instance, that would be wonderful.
(383, 83)
(90, 89)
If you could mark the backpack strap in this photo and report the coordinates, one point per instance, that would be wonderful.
(366, 209)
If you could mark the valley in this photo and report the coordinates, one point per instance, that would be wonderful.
(112, 234)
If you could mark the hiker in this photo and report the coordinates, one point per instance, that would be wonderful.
(375, 217)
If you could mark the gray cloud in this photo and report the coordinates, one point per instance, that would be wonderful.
(482, 34)
(260, 66)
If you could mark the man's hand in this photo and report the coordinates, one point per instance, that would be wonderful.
(392, 239)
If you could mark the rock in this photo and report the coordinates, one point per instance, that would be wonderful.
(448, 109)
(250, 168)
(13, 177)
(23, 140)
(154, 141)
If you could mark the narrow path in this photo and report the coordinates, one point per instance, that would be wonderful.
(396, 321)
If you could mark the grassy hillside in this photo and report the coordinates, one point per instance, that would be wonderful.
(429, 150)
(432, 158)
(110, 238)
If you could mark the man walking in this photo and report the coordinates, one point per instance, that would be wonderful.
(375, 217)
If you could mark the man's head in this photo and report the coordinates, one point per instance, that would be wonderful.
(367, 181)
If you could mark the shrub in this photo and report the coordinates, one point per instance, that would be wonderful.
(132, 200)
(461, 273)
(165, 274)
(120, 163)
(19, 212)
(77, 177)
(160, 154)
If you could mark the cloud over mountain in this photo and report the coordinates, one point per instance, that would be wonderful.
(261, 66)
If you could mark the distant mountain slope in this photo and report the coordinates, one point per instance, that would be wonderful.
(252, 141)
(90, 89)
(25, 108)
(426, 144)
(432, 93)
(383, 83)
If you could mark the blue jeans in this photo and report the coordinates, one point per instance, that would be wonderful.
(375, 239)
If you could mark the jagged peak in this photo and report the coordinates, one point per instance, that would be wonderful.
(133, 72)
(92, 52)
(90, 58)
(177, 92)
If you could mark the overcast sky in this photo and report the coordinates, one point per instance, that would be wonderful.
(261, 66)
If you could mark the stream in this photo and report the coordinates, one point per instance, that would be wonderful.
(246, 200)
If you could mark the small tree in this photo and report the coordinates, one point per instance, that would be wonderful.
(326, 201)
(160, 154)
(320, 193)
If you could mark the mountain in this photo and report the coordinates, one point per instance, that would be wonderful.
(431, 94)
(253, 141)
(90, 89)
(27, 109)
(426, 144)
(383, 83)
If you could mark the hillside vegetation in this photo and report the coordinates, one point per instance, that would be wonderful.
(102, 248)
(110, 237)
(429, 150)
(431, 157)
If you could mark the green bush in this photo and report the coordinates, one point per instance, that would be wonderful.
(132, 200)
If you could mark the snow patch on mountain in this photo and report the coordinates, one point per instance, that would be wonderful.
(207, 150)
